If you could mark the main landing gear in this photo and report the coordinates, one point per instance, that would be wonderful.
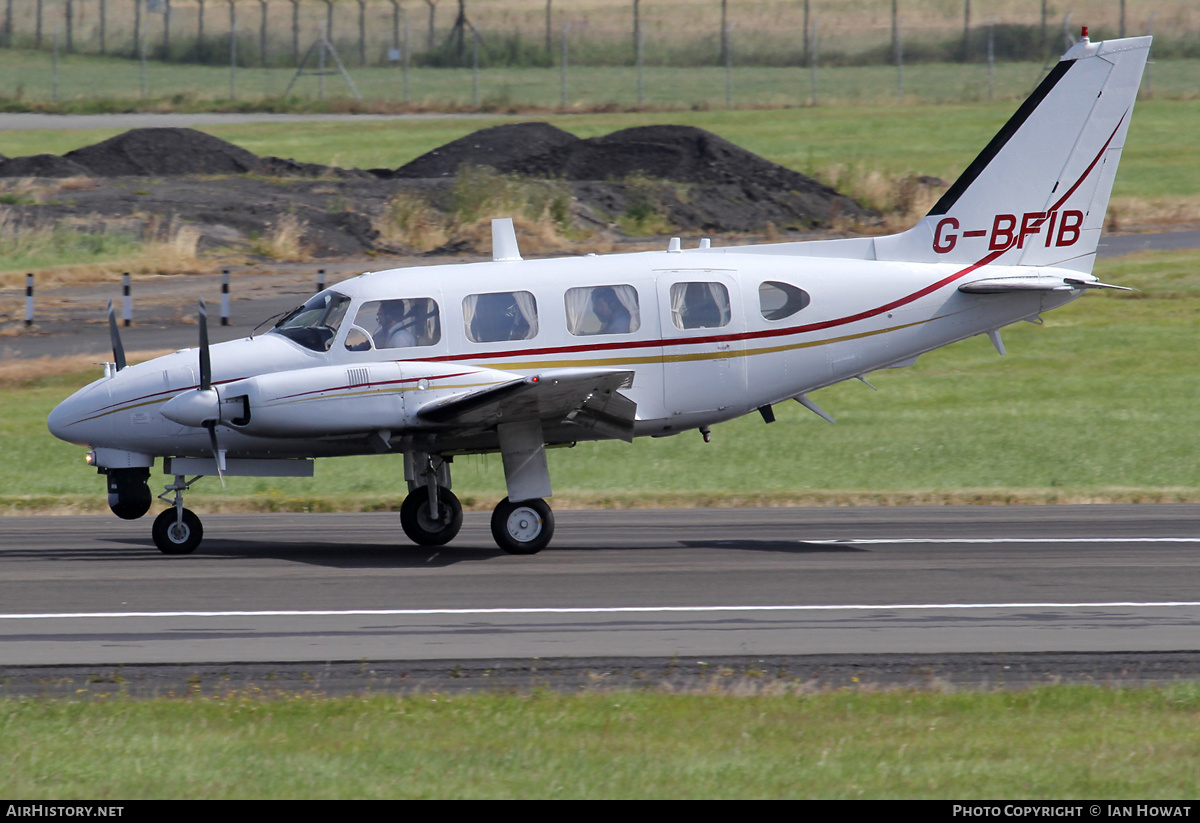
(522, 527)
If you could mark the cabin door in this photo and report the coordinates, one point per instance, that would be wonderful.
(704, 364)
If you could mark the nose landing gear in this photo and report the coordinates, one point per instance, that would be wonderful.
(177, 530)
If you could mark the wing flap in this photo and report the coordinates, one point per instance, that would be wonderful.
(1034, 282)
(588, 398)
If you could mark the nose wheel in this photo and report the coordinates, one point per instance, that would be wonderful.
(522, 528)
(418, 523)
(177, 531)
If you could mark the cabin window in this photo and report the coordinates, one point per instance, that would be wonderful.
(395, 324)
(315, 324)
(507, 315)
(699, 305)
(603, 310)
(779, 300)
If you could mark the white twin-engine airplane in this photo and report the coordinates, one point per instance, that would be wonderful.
(516, 356)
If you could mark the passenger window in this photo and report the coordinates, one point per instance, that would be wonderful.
(395, 324)
(509, 315)
(699, 305)
(603, 310)
(779, 300)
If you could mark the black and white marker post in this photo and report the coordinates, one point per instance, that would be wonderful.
(225, 297)
(128, 315)
(28, 300)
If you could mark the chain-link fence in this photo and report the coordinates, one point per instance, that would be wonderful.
(498, 53)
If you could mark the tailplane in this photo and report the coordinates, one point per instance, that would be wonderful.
(1037, 195)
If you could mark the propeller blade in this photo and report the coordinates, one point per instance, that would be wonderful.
(205, 363)
(218, 458)
(206, 385)
(118, 349)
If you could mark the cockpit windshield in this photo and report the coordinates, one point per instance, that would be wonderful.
(315, 324)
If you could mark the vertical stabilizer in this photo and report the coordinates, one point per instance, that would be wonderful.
(1037, 195)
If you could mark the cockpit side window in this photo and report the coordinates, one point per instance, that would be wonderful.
(395, 324)
(315, 324)
(509, 315)
(779, 300)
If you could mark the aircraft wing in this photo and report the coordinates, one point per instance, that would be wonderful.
(583, 397)
(1035, 282)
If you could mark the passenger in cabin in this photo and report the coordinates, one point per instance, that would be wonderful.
(614, 318)
(700, 309)
(499, 316)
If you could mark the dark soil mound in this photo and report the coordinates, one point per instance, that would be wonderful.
(167, 152)
(507, 148)
(734, 189)
(42, 165)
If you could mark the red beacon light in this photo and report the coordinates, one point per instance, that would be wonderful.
(1085, 33)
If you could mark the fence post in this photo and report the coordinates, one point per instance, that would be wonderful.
(727, 47)
(407, 54)
(563, 81)
(232, 50)
(474, 67)
(54, 61)
(812, 57)
(638, 38)
(262, 33)
(141, 47)
(991, 57)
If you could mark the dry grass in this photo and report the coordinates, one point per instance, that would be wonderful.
(540, 209)
(23, 372)
(284, 241)
(1152, 213)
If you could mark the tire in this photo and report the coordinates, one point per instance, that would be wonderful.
(173, 537)
(420, 528)
(522, 528)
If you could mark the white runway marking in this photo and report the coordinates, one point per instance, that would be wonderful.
(957, 540)
(611, 610)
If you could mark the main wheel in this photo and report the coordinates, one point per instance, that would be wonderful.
(423, 529)
(522, 528)
(175, 536)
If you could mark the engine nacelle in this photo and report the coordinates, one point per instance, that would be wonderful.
(319, 402)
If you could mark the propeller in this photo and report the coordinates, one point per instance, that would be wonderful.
(200, 408)
(118, 349)
(206, 386)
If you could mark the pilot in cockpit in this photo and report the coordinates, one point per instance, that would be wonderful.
(395, 325)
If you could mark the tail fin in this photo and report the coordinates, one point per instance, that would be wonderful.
(1037, 195)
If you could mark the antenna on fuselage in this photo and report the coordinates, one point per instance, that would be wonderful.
(504, 240)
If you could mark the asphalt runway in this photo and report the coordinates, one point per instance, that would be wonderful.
(647, 585)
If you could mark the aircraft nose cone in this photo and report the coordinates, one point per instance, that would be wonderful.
(74, 421)
(58, 421)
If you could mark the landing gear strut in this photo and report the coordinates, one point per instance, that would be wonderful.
(177, 530)
(431, 515)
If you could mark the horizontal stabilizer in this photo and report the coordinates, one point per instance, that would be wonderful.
(1034, 282)
(585, 397)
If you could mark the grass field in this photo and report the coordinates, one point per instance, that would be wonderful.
(770, 741)
(88, 83)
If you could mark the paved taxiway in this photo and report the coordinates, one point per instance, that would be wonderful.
(713, 582)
